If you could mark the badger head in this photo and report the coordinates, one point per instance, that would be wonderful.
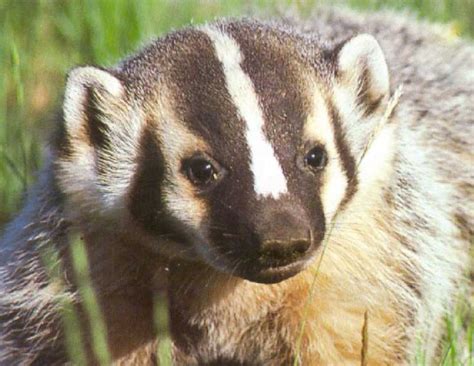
(232, 144)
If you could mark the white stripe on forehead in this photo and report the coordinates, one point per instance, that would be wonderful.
(269, 179)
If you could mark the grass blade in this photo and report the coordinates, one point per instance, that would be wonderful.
(90, 302)
(162, 330)
(70, 319)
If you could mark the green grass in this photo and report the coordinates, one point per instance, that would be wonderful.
(162, 328)
(70, 318)
(41, 40)
(90, 303)
(458, 347)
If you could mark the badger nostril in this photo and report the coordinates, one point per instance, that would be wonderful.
(282, 253)
(300, 246)
(276, 251)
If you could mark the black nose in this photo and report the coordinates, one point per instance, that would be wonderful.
(280, 253)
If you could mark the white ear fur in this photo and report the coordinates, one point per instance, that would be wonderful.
(96, 177)
(361, 63)
(79, 82)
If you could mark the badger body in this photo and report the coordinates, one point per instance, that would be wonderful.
(268, 182)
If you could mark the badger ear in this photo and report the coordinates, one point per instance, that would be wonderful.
(92, 97)
(361, 65)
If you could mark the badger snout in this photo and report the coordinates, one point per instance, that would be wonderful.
(283, 243)
(275, 253)
(284, 233)
(268, 242)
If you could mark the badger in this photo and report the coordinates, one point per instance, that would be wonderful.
(270, 181)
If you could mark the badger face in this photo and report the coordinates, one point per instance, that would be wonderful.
(230, 143)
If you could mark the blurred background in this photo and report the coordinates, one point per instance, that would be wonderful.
(41, 40)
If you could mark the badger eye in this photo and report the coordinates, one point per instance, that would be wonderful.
(316, 158)
(200, 171)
